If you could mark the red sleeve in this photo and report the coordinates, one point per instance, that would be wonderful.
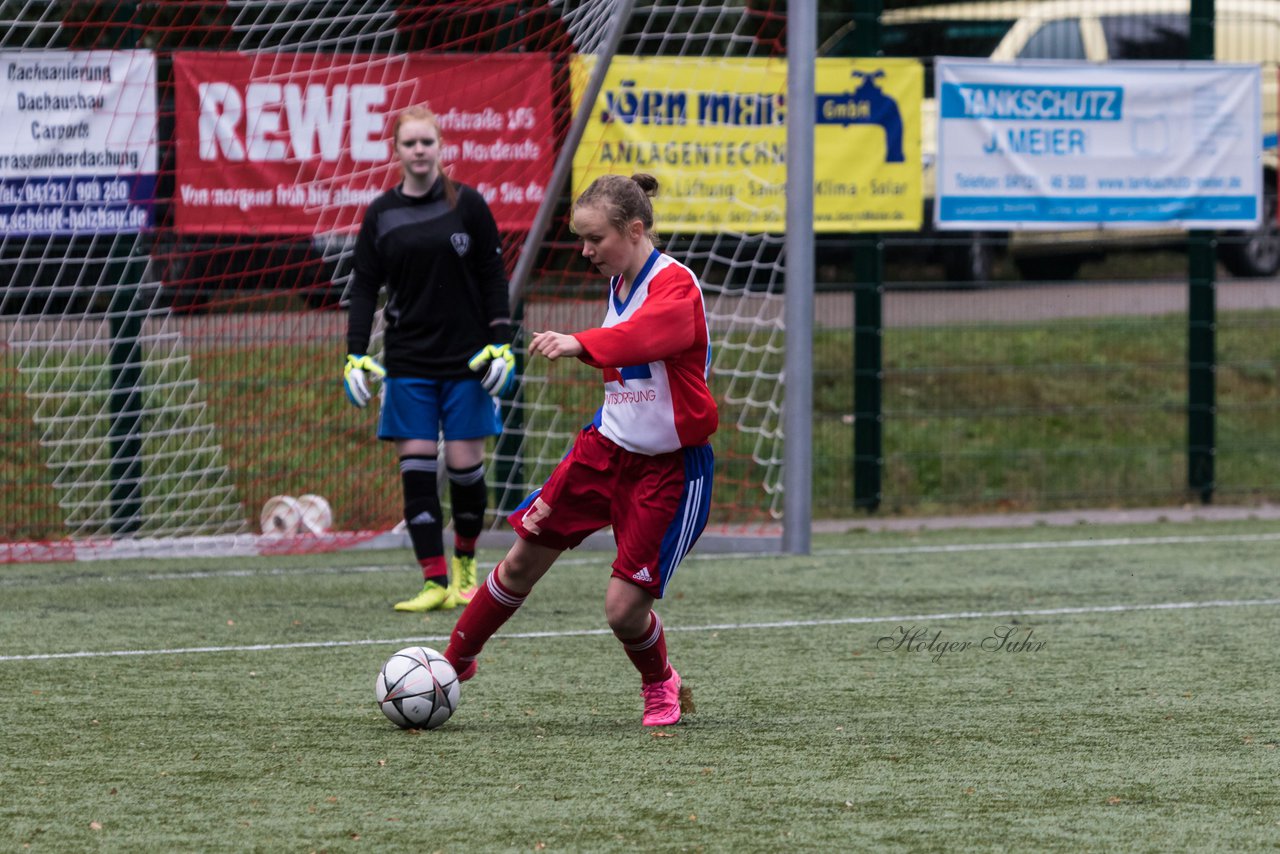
(661, 328)
(584, 357)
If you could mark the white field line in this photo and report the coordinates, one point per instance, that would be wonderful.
(573, 560)
(1031, 545)
(713, 627)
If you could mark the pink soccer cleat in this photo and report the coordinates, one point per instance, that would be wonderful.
(467, 672)
(663, 701)
(464, 668)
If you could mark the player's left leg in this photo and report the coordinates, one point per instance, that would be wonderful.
(667, 500)
(629, 610)
(468, 416)
(469, 496)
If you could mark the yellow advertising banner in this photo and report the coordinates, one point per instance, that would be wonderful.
(714, 135)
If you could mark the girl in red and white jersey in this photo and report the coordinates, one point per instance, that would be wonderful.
(643, 465)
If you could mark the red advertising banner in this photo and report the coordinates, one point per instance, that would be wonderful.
(301, 143)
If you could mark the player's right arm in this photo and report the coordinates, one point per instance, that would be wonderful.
(553, 345)
(665, 326)
(367, 278)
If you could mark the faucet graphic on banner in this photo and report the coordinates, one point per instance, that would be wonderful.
(866, 105)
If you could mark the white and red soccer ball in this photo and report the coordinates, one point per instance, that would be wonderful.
(417, 688)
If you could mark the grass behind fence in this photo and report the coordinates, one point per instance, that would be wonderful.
(1050, 415)
(229, 704)
(1025, 416)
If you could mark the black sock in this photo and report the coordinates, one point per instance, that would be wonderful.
(422, 514)
(469, 496)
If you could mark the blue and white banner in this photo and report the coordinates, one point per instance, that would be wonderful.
(1070, 145)
(78, 147)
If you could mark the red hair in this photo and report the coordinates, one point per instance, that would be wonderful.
(421, 113)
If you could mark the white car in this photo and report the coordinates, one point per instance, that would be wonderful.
(1097, 31)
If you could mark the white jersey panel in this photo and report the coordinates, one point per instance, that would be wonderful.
(638, 413)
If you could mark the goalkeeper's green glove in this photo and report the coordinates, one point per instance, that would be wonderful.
(498, 364)
(356, 375)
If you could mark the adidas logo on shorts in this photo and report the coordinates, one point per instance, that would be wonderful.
(642, 575)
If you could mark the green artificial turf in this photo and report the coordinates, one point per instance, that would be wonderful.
(1030, 416)
(227, 705)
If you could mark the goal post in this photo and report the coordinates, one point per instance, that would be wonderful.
(178, 240)
(802, 47)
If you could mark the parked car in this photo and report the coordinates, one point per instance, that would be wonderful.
(198, 271)
(1245, 31)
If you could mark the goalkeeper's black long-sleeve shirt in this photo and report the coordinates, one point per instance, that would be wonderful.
(446, 286)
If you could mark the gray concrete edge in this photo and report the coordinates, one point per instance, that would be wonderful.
(1057, 518)
(598, 542)
(771, 543)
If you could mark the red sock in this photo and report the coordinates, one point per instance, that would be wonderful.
(464, 546)
(435, 569)
(649, 651)
(492, 606)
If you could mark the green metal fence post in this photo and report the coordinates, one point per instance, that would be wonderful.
(868, 373)
(868, 339)
(1201, 312)
(1201, 345)
(125, 354)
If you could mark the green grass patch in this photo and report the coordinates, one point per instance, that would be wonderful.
(229, 705)
(1050, 415)
(994, 417)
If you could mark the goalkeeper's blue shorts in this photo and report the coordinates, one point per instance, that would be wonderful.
(422, 409)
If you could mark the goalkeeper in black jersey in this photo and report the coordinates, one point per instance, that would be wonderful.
(447, 348)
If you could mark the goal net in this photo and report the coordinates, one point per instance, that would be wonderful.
(179, 187)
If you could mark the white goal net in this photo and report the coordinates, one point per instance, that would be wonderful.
(172, 310)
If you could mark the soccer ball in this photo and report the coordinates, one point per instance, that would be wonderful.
(417, 688)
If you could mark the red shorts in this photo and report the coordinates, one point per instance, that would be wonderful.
(657, 505)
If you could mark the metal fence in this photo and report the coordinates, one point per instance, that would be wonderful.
(954, 371)
(989, 371)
